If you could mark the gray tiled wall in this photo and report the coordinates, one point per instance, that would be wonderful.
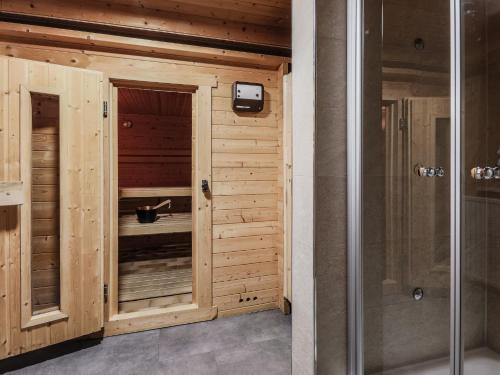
(331, 186)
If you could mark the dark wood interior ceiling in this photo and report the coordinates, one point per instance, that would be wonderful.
(150, 102)
(246, 22)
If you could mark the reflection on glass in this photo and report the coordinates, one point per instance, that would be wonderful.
(406, 209)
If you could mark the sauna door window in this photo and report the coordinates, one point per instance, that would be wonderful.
(154, 174)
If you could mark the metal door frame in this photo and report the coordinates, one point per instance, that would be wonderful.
(355, 34)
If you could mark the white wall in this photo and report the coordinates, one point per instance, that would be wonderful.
(303, 63)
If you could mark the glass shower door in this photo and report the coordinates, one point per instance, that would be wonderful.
(405, 241)
(480, 185)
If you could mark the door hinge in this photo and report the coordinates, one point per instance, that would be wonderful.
(105, 293)
(105, 109)
(403, 124)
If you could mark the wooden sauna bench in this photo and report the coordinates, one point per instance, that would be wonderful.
(155, 259)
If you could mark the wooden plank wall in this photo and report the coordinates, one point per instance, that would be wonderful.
(45, 206)
(246, 170)
(80, 292)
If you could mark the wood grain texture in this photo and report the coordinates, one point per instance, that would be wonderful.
(235, 21)
(33, 259)
(235, 162)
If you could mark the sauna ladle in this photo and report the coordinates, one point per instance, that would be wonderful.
(148, 214)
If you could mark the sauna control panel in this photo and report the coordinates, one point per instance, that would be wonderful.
(248, 97)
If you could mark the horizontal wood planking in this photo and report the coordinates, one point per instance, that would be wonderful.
(245, 229)
(246, 166)
(244, 187)
(245, 215)
(244, 174)
(245, 160)
(244, 201)
(248, 309)
(245, 257)
(244, 271)
(239, 300)
(224, 245)
(225, 288)
(246, 147)
(176, 20)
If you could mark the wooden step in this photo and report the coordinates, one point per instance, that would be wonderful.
(138, 286)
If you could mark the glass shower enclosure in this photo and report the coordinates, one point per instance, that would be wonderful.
(424, 186)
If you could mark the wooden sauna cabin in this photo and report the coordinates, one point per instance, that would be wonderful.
(94, 126)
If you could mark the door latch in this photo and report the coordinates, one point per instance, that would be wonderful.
(106, 293)
(204, 186)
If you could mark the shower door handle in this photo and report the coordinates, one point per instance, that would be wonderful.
(485, 173)
(429, 171)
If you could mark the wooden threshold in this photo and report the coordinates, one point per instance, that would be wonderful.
(151, 192)
(155, 303)
(158, 318)
(166, 223)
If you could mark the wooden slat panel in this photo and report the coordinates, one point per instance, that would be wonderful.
(45, 261)
(244, 271)
(245, 257)
(44, 193)
(244, 187)
(244, 132)
(244, 201)
(233, 133)
(225, 104)
(245, 146)
(44, 244)
(245, 174)
(246, 299)
(5, 275)
(246, 215)
(11, 193)
(225, 90)
(154, 19)
(244, 243)
(259, 120)
(245, 285)
(245, 160)
(245, 229)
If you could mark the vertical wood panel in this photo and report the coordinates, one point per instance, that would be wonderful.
(81, 202)
(203, 215)
(4, 239)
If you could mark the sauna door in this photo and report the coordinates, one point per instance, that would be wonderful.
(51, 274)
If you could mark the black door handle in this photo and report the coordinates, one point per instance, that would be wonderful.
(204, 186)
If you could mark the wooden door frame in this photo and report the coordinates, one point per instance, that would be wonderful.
(201, 307)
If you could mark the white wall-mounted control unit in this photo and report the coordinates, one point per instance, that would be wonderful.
(248, 97)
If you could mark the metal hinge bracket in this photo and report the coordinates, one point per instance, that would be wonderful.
(105, 109)
(105, 293)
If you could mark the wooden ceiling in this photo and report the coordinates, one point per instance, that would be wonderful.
(252, 22)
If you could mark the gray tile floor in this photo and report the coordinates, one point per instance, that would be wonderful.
(252, 344)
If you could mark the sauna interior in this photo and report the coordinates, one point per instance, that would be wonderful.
(141, 186)
(154, 165)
